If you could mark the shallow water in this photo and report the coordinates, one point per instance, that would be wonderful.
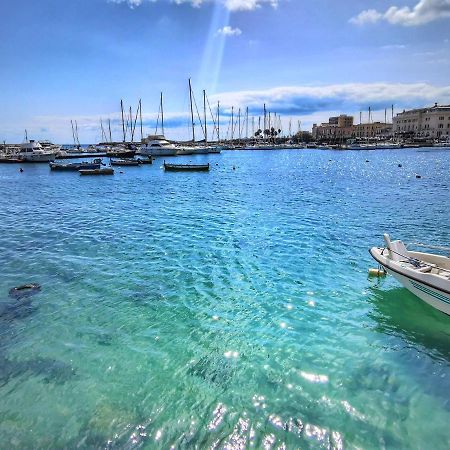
(223, 309)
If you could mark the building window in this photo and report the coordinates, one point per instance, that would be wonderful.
(441, 125)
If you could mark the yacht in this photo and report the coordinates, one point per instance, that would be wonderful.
(157, 145)
(33, 151)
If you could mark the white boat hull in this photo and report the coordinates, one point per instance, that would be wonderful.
(149, 151)
(42, 157)
(432, 289)
(435, 298)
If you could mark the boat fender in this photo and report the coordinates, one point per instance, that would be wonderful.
(376, 272)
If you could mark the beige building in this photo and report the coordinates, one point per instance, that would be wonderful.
(431, 123)
(340, 127)
(373, 130)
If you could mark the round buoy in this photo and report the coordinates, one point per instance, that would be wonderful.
(21, 170)
(418, 176)
(399, 165)
(25, 290)
(234, 168)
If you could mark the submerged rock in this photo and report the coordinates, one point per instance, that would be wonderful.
(52, 370)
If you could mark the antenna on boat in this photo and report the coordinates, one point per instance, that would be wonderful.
(26, 136)
(192, 111)
(123, 121)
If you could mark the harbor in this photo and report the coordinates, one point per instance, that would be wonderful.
(225, 225)
(153, 283)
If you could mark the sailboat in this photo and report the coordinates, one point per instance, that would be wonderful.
(157, 144)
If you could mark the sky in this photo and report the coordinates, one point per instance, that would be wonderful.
(63, 60)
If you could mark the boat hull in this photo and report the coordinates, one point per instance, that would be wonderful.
(38, 158)
(186, 167)
(417, 283)
(155, 151)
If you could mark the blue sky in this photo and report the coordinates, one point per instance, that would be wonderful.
(75, 59)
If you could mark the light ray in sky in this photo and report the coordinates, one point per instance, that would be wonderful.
(211, 61)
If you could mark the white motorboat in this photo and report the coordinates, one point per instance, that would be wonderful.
(424, 274)
(157, 145)
(32, 151)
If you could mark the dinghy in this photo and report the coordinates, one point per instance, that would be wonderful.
(424, 274)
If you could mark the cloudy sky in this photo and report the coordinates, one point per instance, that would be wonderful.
(306, 59)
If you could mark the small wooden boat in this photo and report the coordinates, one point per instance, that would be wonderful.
(148, 160)
(74, 166)
(124, 162)
(424, 274)
(104, 171)
(186, 167)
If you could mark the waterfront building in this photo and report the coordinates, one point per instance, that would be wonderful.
(432, 123)
(340, 127)
(373, 130)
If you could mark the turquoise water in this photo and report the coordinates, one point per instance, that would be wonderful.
(223, 309)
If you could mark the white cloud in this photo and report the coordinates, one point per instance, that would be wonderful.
(310, 104)
(231, 5)
(229, 31)
(344, 97)
(424, 12)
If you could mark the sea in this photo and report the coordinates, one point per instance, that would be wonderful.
(227, 310)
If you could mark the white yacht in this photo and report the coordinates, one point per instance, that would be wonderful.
(424, 274)
(157, 145)
(33, 151)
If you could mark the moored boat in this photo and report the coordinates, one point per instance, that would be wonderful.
(104, 171)
(66, 167)
(426, 275)
(125, 162)
(157, 145)
(32, 151)
(186, 167)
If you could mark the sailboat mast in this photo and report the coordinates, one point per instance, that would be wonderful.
(109, 126)
(218, 122)
(246, 123)
(73, 134)
(162, 114)
(103, 131)
(239, 121)
(204, 115)
(76, 133)
(232, 123)
(131, 125)
(192, 111)
(140, 117)
(123, 121)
